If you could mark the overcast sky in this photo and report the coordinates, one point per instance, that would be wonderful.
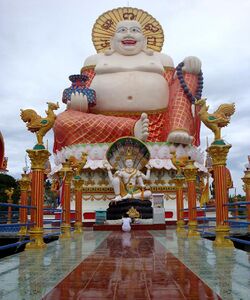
(42, 42)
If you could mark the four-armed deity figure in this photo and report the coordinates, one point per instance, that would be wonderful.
(128, 182)
(138, 91)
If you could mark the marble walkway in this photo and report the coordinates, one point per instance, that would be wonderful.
(136, 265)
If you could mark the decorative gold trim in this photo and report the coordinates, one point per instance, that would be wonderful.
(192, 230)
(24, 182)
(218, 153)
(246, 178)
(65, 231)
(105, 26)
(78, 228)
(38, 158)
(181, 231)
(190, 171)
(179, 129)
(36, 237)
(126, 113)
(86, 68)
(168, 68)
(220, 241)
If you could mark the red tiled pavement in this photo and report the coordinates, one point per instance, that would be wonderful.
(131, 266)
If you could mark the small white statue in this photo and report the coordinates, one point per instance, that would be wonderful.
(128, 182)
(126, 227)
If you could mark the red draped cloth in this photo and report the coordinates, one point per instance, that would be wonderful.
(74, 127)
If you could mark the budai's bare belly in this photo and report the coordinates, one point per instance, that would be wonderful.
(130, 91)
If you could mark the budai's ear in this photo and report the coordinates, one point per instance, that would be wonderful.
(112, 43)
(112, 49)
(146, 49)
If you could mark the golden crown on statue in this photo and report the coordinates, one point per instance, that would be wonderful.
(129, 154)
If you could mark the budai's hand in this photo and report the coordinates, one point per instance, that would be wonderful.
(192, 65)
(78, 102)
(141, 127)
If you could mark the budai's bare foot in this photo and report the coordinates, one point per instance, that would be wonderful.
(180, 137)
(141, 127)
(117, 198)
(78, 102)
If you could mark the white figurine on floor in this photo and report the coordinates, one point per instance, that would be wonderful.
(126, 224)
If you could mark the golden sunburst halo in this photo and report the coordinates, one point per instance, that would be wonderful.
(105, 26)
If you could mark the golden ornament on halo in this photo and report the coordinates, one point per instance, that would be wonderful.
(129, 154)
(105, 26)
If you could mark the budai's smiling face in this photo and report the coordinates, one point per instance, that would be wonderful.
(128, 38)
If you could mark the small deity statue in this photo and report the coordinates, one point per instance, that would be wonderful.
(128, 182)
(138, 91)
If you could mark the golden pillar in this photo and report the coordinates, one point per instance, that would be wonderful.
(9, 192)
(24, 183)
(179, 181)
(218, 152)
(78, 186)
(246, 180)
(9, 217)
(66, 174)
(38, 159)
(190, 172)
